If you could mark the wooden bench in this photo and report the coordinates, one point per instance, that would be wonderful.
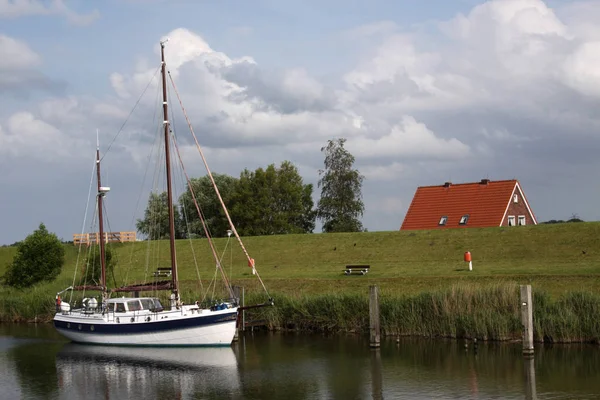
(162, 272)
(358, 269)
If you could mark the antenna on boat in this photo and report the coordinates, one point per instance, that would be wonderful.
(175, 282)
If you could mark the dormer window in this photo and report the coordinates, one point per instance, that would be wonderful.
(515, 198)
(464, 219)
(443, 220)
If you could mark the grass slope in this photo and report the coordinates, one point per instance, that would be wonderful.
(556, 258)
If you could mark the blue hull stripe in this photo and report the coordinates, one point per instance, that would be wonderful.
(144, 327)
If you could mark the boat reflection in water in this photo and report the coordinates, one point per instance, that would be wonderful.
(145, 372)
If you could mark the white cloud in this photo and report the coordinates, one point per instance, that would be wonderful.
(582, 69)
(16, 54)
(391, 172)
(20, 68)
(408, 138)
(30, 137)
(22, 8)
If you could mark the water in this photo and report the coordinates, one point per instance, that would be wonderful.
(38, 364)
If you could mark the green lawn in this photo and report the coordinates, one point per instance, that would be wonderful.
(550, 257)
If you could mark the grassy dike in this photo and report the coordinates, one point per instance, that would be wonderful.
(425, 288)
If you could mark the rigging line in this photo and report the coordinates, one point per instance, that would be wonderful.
(137, 206)
(151, 218)
(250, 260)
(173, 127)
(131, 112)
(155, 227)
(114, 260)
(93, 229)
(183, 207)
(189, 234)
(211, 244)
(83, 226)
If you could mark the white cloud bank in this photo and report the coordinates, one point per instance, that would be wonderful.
(509, 89)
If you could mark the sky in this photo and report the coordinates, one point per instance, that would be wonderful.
(424, 92)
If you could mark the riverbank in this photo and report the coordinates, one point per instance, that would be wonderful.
(426, 288)
(485, 312)
(490, 312)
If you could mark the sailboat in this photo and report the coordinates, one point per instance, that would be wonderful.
(144, 321)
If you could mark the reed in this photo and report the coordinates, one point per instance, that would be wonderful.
(489, 312)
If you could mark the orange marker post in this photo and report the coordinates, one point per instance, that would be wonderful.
(468, 259)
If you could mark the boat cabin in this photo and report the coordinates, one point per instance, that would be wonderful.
(123, 304)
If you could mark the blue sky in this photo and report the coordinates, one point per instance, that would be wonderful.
(424, 91)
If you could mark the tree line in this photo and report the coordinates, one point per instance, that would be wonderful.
(270, 201)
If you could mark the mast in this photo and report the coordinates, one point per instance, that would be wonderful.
(101, 192)
(175, 288)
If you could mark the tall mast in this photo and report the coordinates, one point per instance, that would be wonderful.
(100, 220)
(168, 162)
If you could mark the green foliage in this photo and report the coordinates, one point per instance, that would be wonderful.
(341, 205)
(92, 269)
(209, 205)
(273, 201)
(39, 257)
(156, 218)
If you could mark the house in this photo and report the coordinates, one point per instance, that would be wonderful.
(479, 204)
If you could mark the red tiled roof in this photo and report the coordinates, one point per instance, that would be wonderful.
(484, 203)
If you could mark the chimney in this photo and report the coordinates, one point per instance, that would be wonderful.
(484, 181)
(447, 184)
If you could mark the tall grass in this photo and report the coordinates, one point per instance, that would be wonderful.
(489, 312)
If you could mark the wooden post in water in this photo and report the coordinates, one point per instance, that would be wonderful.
(243, 311)
(529, 369)
(236, 294)
(374, 316)
(527, 319)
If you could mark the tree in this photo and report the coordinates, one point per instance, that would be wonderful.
(92, 270)
(340, 205)
(208, 203)
(39, 257)
(156, 218)
(273, 201)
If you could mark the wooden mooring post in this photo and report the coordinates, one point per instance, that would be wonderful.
(527, 319)
(237, 293)
(530, 385)
(374, 338)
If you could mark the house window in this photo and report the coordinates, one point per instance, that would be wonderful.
(521, 220)
(443, 220)
(511, 220)
(464, 219)
(516, 198)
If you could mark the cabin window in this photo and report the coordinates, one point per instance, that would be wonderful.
(511, 220)
(157, 305)
(134, 305)
(516, 198)
(464, 219)
(521, 220)
(443, 220)
(147, 304)
(119, 307)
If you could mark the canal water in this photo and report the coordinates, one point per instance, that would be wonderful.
(36, 363)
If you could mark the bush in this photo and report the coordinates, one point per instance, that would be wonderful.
(39, 257)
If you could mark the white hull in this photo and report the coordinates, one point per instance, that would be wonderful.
(186, 327)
